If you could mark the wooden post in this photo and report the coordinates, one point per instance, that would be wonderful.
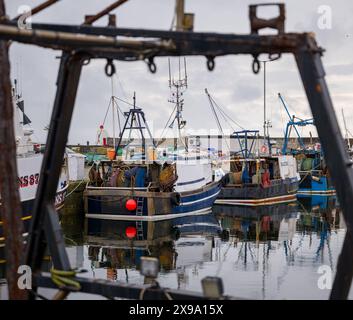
(10, 209)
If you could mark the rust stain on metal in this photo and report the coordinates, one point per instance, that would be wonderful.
(92, 18)
(10, 209)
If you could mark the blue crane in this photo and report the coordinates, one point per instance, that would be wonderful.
(293, 123)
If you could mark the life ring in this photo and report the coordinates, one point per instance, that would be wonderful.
(264, 149)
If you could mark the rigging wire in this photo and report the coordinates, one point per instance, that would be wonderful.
(166, 125)
(118, 115)
(127, 102)
(105, 118)
(121, 85)
(214, 112)
(216, 117)
(106, 113)
(225, 115)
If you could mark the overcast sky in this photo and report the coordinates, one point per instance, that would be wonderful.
(232, 83)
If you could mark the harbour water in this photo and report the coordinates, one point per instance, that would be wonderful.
(272, 252)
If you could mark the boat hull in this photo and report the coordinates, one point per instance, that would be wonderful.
(27, 208)
(109, 203)
(280, 191)
(321, 185)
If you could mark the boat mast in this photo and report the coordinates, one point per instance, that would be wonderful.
(265, 125)
(113, 111)
(346, 130)
(266, 122)
(135, 120)
(178, 87)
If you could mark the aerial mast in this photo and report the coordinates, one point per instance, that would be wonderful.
(178, 87)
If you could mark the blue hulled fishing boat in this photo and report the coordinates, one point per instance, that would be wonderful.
(150, 190)
(147, 187)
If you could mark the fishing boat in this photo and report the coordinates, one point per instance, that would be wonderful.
(149, 190)
(315, 178)
(29, 161)
(255, 178)
(144, 187)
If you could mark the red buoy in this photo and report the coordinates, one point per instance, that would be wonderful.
(130, 232)
(130, 204)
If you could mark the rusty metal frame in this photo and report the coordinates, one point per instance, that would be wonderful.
(308, 58)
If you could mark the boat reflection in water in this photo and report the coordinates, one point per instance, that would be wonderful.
(267, 252)
(278, 250)
(117, 246)
(255, 223)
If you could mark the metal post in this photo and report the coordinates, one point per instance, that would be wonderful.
(10, 208)
(264, 101)
(180, 4)
(116, 4)
(121, 135)
(44, 214)
(142, 135)
(338, 162)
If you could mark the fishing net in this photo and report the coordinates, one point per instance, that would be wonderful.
(167, 177)
(95, 177)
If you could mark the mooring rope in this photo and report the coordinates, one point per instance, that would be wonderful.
(65, 279)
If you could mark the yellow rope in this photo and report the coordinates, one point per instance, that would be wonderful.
(23, 219)
(65, 279)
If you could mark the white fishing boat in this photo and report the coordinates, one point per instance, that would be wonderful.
(29, 161)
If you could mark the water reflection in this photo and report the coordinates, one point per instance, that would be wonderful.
(270, 252)
(178, 244)
(263, 253)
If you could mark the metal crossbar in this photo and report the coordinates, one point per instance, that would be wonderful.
(81, 43)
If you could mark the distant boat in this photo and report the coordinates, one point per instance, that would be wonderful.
(267, 181)
(314, 176)
(256, 180)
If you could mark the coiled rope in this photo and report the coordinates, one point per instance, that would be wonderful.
(65, 279)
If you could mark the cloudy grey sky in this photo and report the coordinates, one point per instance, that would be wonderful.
(232, 83)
